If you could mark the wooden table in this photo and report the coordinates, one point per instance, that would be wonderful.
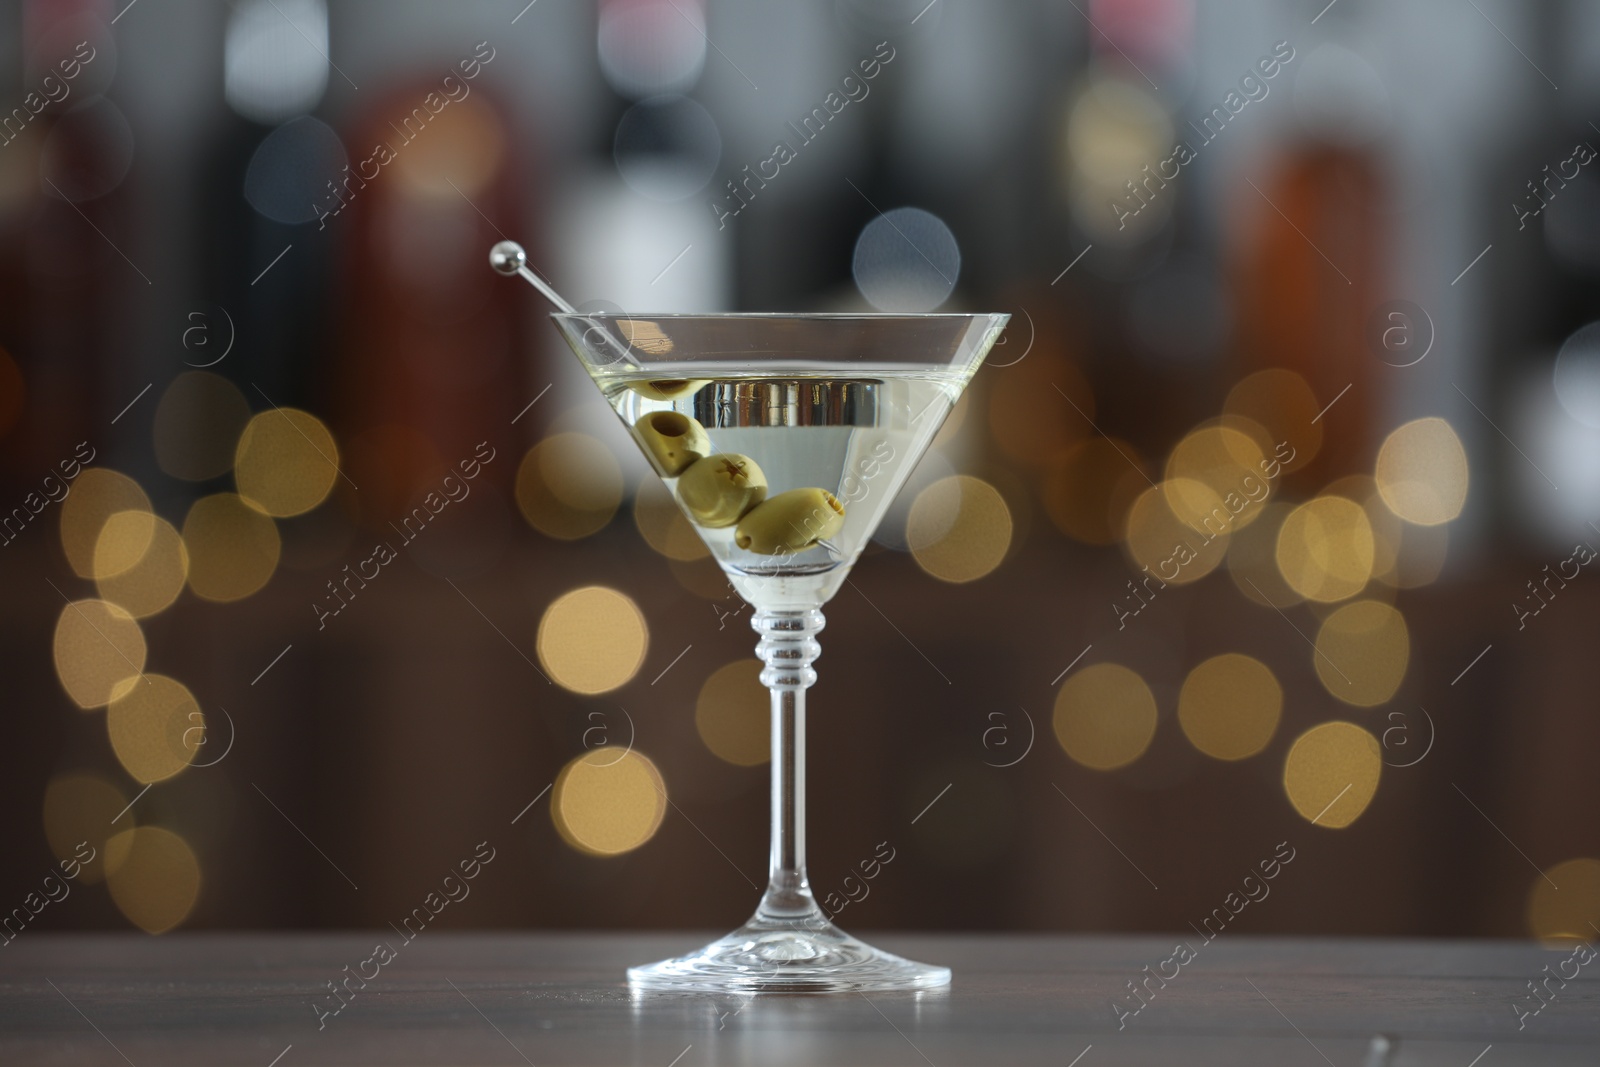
(546, 999)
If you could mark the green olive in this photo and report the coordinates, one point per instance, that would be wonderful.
(718, 490)
(667, 388)
(790, 522)
(672, 440)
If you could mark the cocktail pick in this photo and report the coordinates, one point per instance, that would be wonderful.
(509, 258)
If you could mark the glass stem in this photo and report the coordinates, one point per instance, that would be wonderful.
(787, 647)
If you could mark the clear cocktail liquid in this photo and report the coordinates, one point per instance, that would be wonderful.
(857, 437)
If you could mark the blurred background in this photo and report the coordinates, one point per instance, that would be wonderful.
(324, 563)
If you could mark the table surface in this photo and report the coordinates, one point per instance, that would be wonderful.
(548, 999)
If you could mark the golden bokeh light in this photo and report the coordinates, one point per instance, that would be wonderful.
(157, 885)
(99, 651)
(1331, 773)
(1564, 901)
(662, 524)
(580, 471)
(1388, 532)
(959, 529)
(1174, 552)
(155, 728)
(286, 462)
(197, 426)
(1325, 549)
(1253, 559)
(1215, 480)
(1111, 129)
(1404, 556)
(1105, 716)
(569, 486)
(78, 809)
(233, 547)
(1283, 405)
(1229, 706)
(124, 539)
(1089, 488)
(1422, 472)
(733, 714)
(97, 494)
(1197, 506)
(148, 582)
(608, 801)
(592, 640)
(1362, 651)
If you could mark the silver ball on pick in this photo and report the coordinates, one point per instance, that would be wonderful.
(508, 257)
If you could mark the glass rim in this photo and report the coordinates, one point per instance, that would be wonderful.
(819, 316)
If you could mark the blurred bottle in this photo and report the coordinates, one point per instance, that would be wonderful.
(64, 150)
(1541, 199)
(1311, 250)
(1148, 307)
(432, 353)
(263, 259)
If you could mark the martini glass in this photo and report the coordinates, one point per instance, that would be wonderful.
(829, 414)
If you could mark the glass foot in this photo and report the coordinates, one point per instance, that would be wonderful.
(787, 956)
